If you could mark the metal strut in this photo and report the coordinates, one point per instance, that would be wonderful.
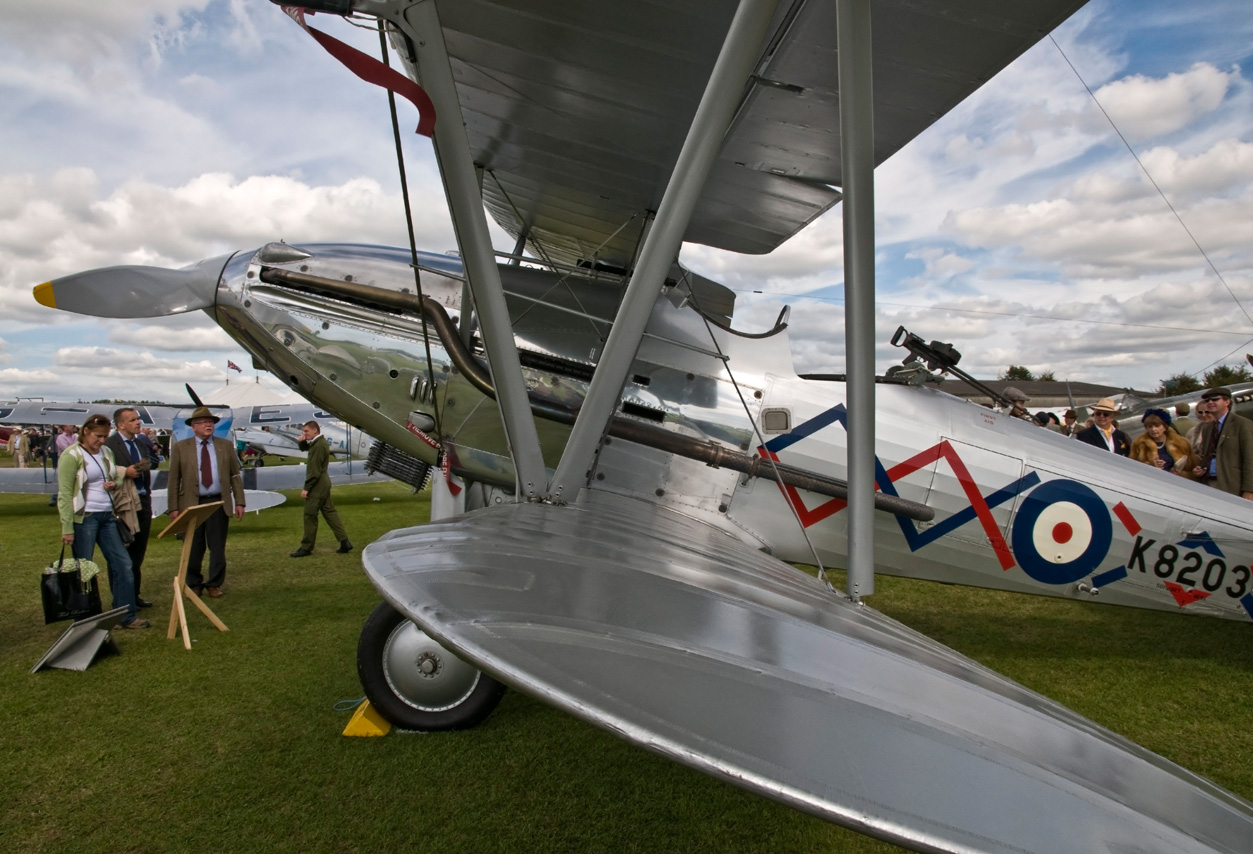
(465, 201)
(857, 169)
(735, 64)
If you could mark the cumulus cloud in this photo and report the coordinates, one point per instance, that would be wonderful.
(205, 335)
(1144, 107)
(22, 380)
(112, 362)
(1111, 223)
(1224, 169)
(59, 225)
(89, 29)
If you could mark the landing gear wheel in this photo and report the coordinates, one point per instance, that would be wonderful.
(414, 682)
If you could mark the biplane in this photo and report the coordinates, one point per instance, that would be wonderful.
(627, 476)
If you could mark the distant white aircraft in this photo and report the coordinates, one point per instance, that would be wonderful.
(284, 441)
(272, 427)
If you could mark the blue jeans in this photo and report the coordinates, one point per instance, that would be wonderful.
(100, 529)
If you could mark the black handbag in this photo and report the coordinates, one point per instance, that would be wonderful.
(124, 531)
(65, 596)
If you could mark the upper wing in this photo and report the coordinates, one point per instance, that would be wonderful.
(672, 634)
(577, 109)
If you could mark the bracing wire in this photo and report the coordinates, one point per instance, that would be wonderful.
(413, 243)
(761, 441)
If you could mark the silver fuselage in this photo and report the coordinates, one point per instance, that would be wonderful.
(1016, 507)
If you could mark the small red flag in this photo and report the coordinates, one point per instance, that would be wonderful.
(371, 70)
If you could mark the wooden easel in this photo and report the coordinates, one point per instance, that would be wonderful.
(187, 522)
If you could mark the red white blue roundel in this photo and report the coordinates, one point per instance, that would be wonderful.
(1062, 532)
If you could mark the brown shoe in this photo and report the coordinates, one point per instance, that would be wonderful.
(137, 623)
(215, 592)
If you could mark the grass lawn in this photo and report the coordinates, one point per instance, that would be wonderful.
(236, 745)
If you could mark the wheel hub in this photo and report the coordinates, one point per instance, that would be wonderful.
(429, 665)
(422, 673)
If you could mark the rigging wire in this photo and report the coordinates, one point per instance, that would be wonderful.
(761, 439)
(413, 243)
(1223, 360)
(1147, 174)
(562, 279)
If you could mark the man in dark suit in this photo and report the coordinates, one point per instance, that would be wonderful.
(1227, 446)
(134, 451)
(205, 469)
(1103, 434)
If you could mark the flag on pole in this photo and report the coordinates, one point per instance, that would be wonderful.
(234, 366)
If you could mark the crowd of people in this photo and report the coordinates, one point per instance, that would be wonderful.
(32, 447)
(104, 496)
(1216, 449)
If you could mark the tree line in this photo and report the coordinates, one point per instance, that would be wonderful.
(1180, 383)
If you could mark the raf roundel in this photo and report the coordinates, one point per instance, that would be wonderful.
(1062, 532)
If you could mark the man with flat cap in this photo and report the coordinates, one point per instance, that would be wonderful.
(1017, 403)
(204, 469)
(1227, 443)
(1103, 433)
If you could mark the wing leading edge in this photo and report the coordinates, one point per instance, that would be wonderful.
(673, 635)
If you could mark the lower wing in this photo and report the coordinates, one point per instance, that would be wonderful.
(674, 635)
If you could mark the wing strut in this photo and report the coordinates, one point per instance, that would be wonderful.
(470, 222)
(857, 167)
(740, 51)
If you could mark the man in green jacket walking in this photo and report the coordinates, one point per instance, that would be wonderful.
(317, 493)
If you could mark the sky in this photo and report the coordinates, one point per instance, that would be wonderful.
(1020, 227)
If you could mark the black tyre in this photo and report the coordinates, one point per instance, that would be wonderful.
(414, 682)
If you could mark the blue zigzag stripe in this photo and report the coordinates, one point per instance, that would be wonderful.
(915, 538)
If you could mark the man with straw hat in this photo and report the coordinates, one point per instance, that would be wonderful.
(204, 469)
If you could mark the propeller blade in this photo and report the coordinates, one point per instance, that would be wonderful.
(194, 397)
(134, 291)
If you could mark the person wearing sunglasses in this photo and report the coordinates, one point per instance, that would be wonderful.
(1227, 442)
(1104, 433)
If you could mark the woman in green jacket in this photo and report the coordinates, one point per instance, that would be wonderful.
(86, 475)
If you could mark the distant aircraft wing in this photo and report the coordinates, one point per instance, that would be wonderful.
(35, 480)
(255, 500)
(577, 111)
(674, 635)
(293, 477)
(263, 481)
(47, 413)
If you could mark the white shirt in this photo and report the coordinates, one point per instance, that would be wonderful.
(97, 498)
